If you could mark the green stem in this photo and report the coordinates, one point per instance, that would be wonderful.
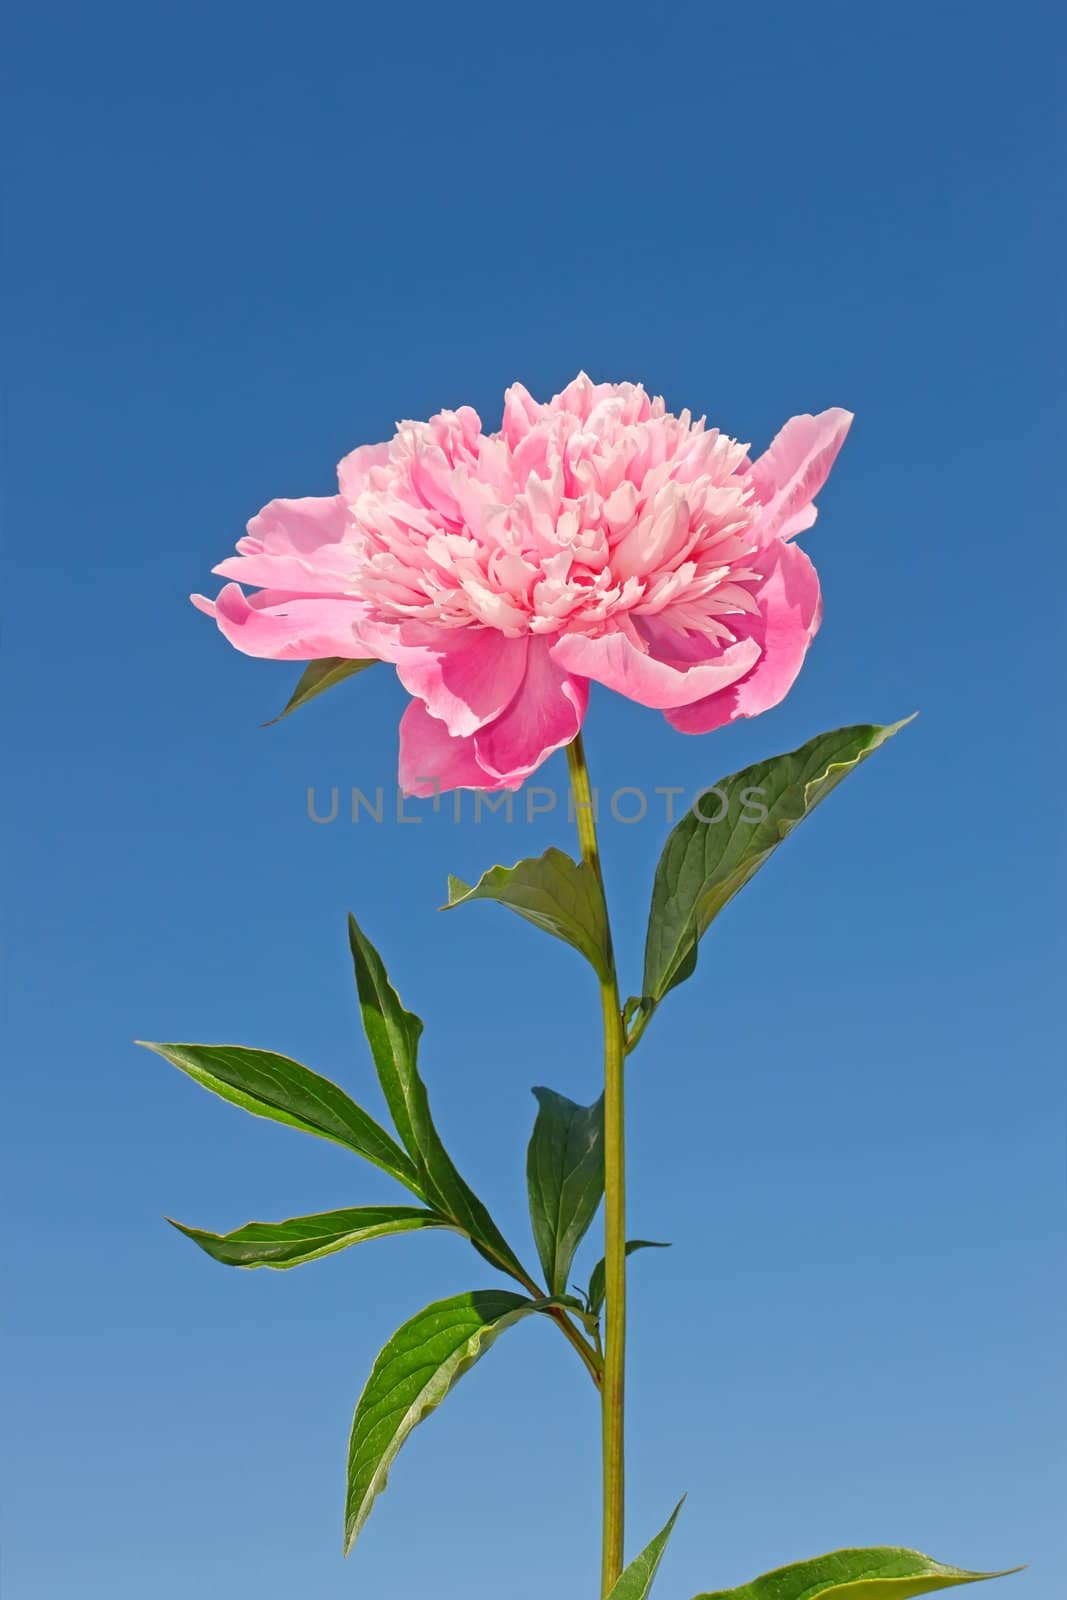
(612, 1392)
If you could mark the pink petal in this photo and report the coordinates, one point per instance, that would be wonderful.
(791, 610)
(546, 713)
(355, 469)
(330, 572)
(616, 662)
(297, 527)
(285, 627)
(466, 676)
(432, 762)
(789, 475)
(295, 545)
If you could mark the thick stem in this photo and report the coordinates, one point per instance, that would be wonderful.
(612, 1394)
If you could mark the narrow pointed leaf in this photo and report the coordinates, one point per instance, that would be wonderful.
(393, 1034)
(565, 1180)
(281, 1090)
(636, 1582)
(706, 861)
(300, 1239)
(551, 891)
(885, 1573)
(317, 677)
(595, 1294)
(412, 1375)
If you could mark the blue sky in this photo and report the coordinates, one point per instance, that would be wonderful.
(242, 239)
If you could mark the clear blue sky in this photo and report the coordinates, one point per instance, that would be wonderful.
(242, 239)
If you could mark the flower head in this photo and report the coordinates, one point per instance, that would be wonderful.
(597, 536)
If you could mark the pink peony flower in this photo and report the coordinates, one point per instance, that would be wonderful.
(595, 537)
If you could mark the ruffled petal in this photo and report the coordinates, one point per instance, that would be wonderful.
(790, 612)
(466, 676)
(296, 545)
(789, 475)
(297, 527)
(618, 663)
(545, 714)
(355, 470)
(287, 627)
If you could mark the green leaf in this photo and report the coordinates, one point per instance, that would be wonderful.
(595, 1293)
(706, 861)
(281, 1090)
(300, 1239)
(885, 1573)
(565, 1179)
(317, 677)
(393, 1035)
(553, 892)
(412, 1375)
(636, 1582)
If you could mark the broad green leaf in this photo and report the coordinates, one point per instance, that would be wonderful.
(281, 1090)
(551, 891)
(317, 677)
(885, 1573)
(636, 1582)
(288, 1244)
(565, 1179)
(595, 1294)
(708, 859)
(413, 1373)
(393, 1034)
